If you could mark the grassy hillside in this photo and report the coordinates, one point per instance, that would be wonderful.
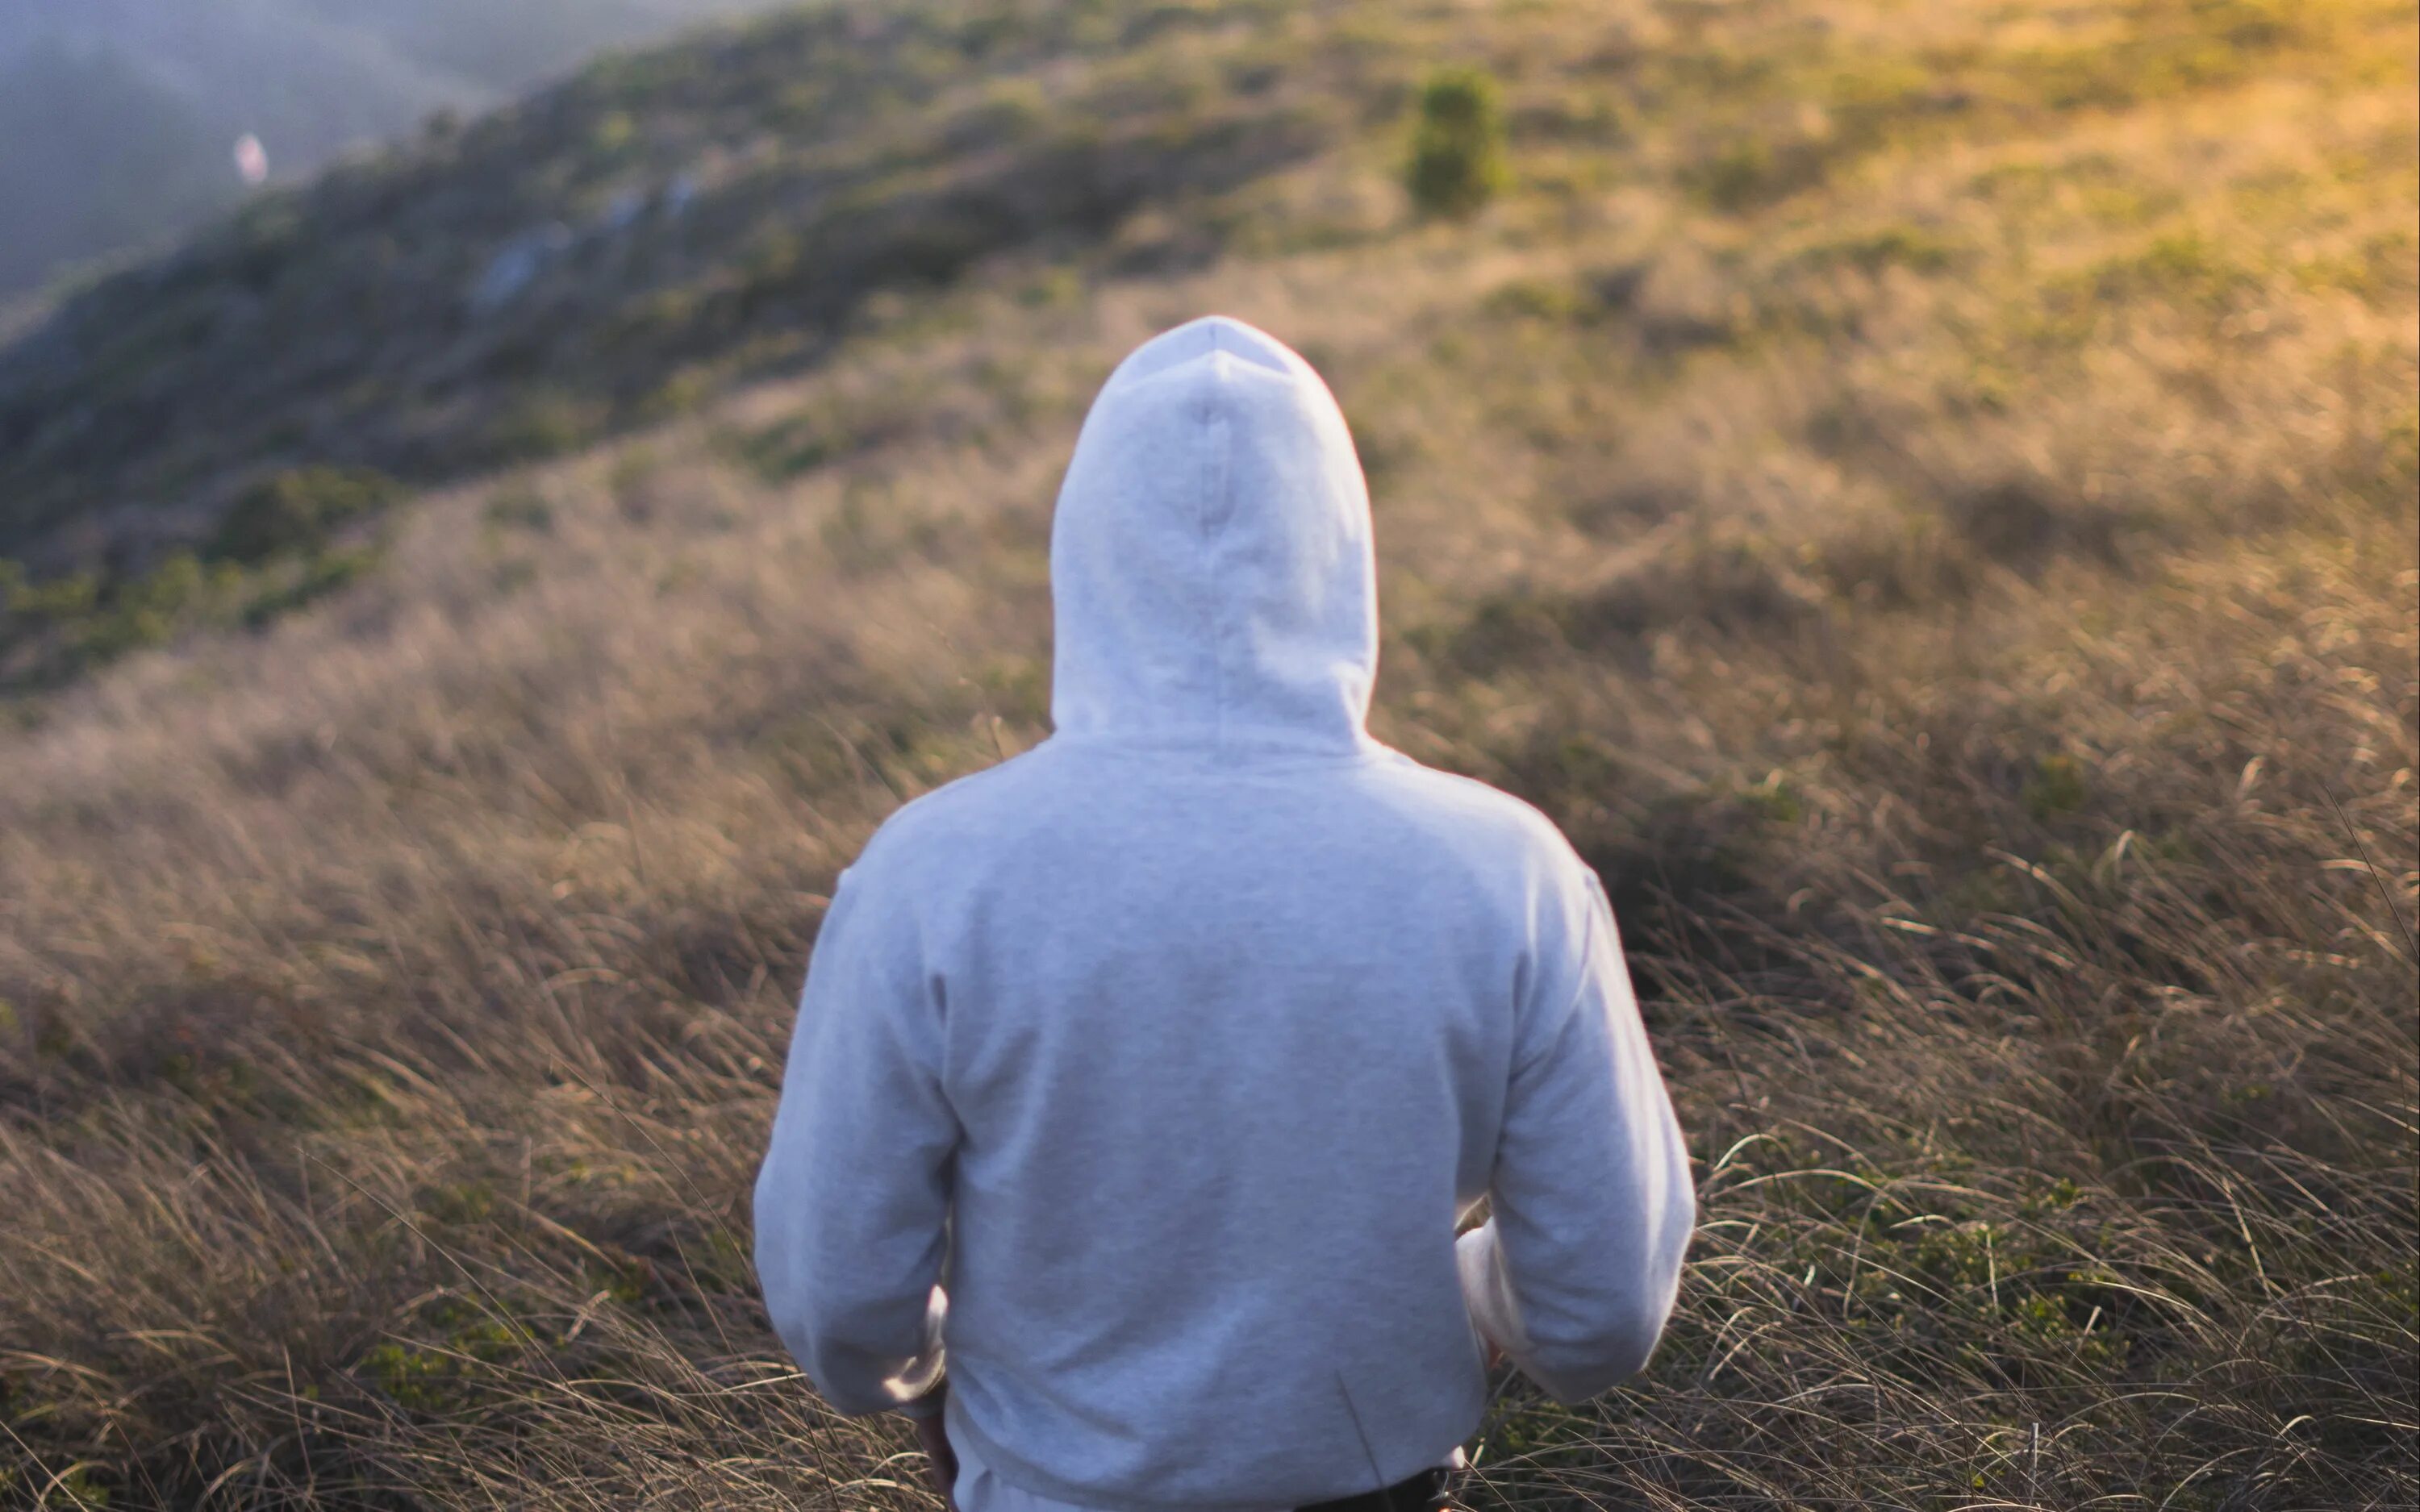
(1924, 496)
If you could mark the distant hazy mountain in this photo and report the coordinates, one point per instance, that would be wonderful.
(118, 117)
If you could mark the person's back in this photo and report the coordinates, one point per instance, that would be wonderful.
(1185, 1039)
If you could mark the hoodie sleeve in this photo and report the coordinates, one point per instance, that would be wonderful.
(1574, 1272)
(852, 1205)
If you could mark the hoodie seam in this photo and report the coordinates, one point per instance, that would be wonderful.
(1220, 494)
(1214, 486)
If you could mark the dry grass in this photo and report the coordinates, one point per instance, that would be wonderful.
(1962, 598)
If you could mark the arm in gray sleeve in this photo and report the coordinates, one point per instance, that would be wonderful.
(852, 1205)
(1574, 1272)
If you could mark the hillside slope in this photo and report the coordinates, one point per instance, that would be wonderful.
(126, 109)
(587, 260)
(1924, 496)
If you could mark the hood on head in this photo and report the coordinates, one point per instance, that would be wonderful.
(1210, 562)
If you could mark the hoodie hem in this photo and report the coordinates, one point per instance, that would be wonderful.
(1015, 1471)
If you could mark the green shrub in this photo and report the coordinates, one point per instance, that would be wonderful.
(1536, 298)
(1740, 174)
(2057, 787)
(539, 423)
(518, 506)
(149, 610)
(316, 577)
(783, 450)
(295, 512)
(57, 598)
(1457, 160)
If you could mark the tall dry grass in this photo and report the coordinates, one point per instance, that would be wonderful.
(1962, 602)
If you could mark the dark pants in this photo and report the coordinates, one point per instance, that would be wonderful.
(1423, 1492)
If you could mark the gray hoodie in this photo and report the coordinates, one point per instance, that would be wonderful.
(1174, 1049)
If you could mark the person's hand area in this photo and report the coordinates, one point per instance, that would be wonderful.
(933, 1439)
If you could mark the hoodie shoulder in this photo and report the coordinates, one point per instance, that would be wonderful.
(1467, 799)
(943, 820)
(1498, 840)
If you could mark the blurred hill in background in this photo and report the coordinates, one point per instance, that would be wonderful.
(610, 250)
(118, 117)
(1926, 496)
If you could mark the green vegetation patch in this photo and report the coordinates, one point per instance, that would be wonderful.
(288, 540)
(1458, 155)
(298, 512)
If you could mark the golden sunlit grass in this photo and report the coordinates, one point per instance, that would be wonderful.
(1950, 566)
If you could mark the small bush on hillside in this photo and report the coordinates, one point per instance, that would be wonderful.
(296, 511)
(52, 631)
(540, 422)
(518, 506)
(1458, 145)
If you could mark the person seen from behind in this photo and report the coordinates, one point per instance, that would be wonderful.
(1143, 1080)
